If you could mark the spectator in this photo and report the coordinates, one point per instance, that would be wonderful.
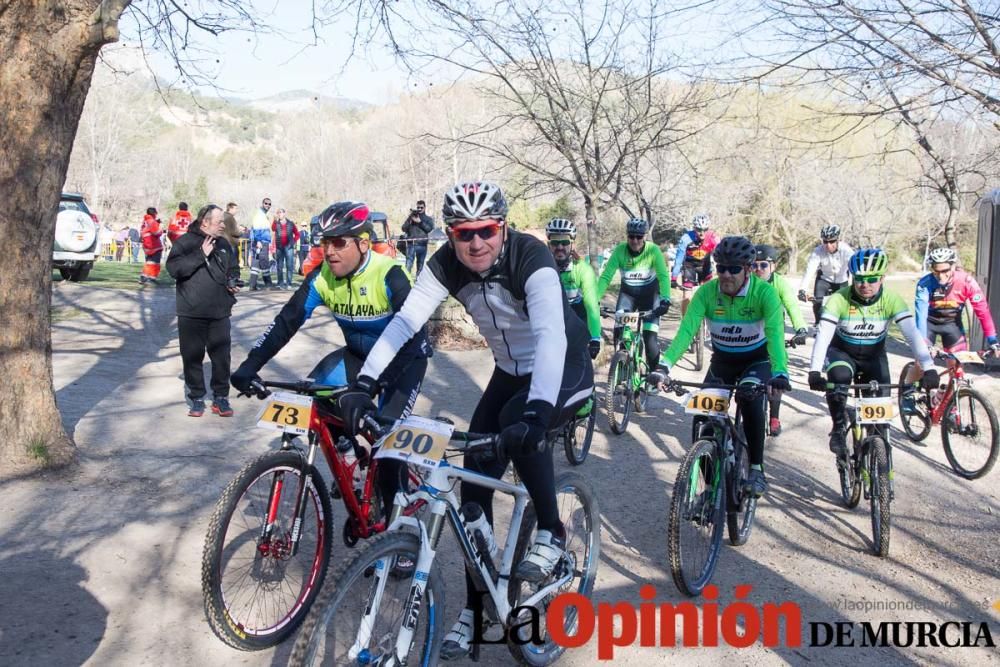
(304, 240)
(232, 230)
(134, 242)
(416, 228)
(179, 223)
(260, 239)
(285, 235)
(152, 246)
(120, 240)
(207, 272)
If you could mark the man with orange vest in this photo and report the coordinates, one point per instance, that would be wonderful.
(179, 224)
(152, 246)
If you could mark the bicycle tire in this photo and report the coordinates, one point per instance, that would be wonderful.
(699, 348)
(230, 624)
(988, 458)
(577, 450)
(619, 371)
(313, 638)
(917, 426)
(878, 473)
(850, 479)
(675, 544)
(590, 521)
(743, 507)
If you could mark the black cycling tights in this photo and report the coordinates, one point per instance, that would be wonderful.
(842, 368)
(751, 409)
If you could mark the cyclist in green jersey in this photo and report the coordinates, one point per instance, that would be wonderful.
(746, 321)
(850, 342)
(579, 282)
(645, 283)
(763, 268)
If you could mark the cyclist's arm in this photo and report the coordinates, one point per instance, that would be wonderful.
(696, 312)
(662, 275)
(591, 301)
(921, 304)
(614, 261)
(789, 302)
(774, 329)
(292, 316)
(980, 307)
(546, 315)
(679, 255)
(811, 266)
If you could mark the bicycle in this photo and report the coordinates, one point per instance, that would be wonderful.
(267, 548)
(351, 624)
(709, 484)
(627, 370)
(578, 434)
(944, 406)
(868, 466)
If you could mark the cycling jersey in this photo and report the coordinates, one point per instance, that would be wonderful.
(860, 329)
(787, 296)
(746, 327)
(830, 266)
(943, 304)
(580, 286)
(518, 306)
(694, 253)
(363, 304)
(640, 273)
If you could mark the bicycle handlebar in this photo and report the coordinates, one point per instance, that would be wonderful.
(608, 312)
(259, 388)
(677, 386)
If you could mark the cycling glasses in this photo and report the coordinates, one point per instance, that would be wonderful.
(560, 242)
(339, 242)
(760, 266)
(731, 269)
(636, 237)
(866, 280)
(466, 235)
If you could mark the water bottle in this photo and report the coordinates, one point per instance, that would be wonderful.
(475, 521)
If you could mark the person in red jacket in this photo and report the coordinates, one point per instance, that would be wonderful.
(284, 236)
(152, 245)
(179, 223)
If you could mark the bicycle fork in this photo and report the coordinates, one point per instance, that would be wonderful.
(274, 502)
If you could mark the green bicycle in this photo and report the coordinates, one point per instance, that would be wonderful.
(627, 371)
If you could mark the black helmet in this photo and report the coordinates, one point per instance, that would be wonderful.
(767, 253)
(345, 218)
(734, 250)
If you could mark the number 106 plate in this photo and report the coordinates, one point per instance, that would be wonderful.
(286, 412)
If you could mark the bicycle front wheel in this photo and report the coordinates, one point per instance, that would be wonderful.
(970, 435)
(847, 470)
(742, 506)
(256, 592)
(878, 472)
(359, 614)
(577, 439)
(581, 517)
(618, 394)
(918, 424)
(694, 533)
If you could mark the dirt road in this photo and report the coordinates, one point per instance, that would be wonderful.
(100, 565)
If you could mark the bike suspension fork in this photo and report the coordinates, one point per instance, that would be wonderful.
(300, 496)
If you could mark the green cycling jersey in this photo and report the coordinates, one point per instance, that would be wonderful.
(639, 272)
(579, 283)
(788, 299)
(748, 325)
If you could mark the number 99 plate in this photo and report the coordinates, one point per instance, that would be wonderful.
(287, 412)
(876, 409)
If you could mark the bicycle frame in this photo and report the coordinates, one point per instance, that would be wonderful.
(632, 343)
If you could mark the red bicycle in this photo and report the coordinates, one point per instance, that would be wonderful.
(968, 422)
(269, 539)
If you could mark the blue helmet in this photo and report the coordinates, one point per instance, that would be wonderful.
(869, 262)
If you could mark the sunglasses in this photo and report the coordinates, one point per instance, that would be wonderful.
(267, 203)
(760, 266)
(866, 280)
(830, 242)
(636, 237)
(466, 235)
(731, 269)
(563, 242)
(339, 242)
(942, 271)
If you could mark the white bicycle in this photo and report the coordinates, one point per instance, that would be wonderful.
(379, 609)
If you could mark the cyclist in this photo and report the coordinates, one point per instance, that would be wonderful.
(645, 284)
(693, 258)
(578, 280)
(828, 262)
(939, 305)
(850, 342)
(508, 283)
(763, 268)
(364, 291)
(747, 326)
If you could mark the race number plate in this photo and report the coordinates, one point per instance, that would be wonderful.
(969, 357)
(876, 409)
(709, 402)
(286, 412)
(416, 440)
(629, 318)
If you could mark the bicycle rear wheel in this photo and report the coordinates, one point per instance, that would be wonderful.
(742, 506)
(878, 472)
(618, 395)
(255, 592)
(694, 531)
(847, 470)
(581, 517)
(970, 434)
(332, 633)
(577, 439)
(917, 426)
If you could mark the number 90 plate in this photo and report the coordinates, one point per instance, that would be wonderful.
(416, 440)
(290, 413)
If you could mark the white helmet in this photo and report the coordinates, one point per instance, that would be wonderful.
(560, 226)
(943, 256)
(701, 222)
(473, 200)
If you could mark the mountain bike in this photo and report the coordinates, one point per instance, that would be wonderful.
(969, 430)
(627, 370)
(709, 485)
(371, 613)
(578, 434)
(867, 467)
(268, 542)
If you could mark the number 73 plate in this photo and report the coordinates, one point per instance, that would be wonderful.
(416, 440)
(287, 412)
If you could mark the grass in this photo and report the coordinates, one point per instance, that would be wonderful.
(63, 313)
(120, 275)
(39, 451)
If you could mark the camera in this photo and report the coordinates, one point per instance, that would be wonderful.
(414, 212)
(234, 283)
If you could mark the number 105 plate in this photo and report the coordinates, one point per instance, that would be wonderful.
(286, 412)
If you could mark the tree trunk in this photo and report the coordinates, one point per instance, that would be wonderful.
(47, 57)
(591, 215)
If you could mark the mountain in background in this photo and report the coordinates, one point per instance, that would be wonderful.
(301, 100)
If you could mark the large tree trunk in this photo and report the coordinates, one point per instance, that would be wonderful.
(590, 213)
(47, 56)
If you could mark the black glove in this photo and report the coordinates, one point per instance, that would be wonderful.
(659, 376)
(526, 437)
(780, 383)
(800, 337)
(816, 381)
(357, 402)
(673, 283)
(661, 308)
(244, 376)
(930, 380)
(594, 347)
(802, 295)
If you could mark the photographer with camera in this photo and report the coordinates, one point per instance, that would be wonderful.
(207, 272)
(416, 228)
